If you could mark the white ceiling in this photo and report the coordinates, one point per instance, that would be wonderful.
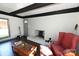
(49, 8)
(10, 7)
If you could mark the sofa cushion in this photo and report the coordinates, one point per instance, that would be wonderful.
(75, 42)
(66, 41)
(57, 49)
(44, 50)
(61, 36)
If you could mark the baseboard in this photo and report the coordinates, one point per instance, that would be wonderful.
(6, 40)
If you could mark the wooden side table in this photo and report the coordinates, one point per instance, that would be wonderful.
(69, 52)
(76, 54)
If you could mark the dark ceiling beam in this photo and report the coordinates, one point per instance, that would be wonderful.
(5, 13)
(75, 9)
(31, 7)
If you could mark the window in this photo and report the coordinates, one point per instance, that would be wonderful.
(4, 28)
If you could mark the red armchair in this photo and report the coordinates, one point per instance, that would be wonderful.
(65, 41)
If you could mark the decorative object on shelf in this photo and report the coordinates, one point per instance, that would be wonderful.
(48, 40)
(18, 37)
(76, 26)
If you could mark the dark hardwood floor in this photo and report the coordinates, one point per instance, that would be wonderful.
(6, 48)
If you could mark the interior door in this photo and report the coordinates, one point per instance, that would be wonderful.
(25, 27)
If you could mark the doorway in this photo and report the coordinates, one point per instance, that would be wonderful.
(25, 27)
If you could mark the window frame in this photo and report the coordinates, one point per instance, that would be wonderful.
(8, 28)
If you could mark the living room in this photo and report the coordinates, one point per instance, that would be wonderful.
(40, 22)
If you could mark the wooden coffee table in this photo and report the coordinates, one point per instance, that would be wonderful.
(25, 49)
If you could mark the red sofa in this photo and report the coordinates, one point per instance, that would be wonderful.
(65, 41)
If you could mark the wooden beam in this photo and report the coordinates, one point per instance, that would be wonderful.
(5, 13)
(31, 7)
(71, 10)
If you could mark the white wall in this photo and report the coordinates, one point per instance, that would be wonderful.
(14, 23)
(53, 24)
